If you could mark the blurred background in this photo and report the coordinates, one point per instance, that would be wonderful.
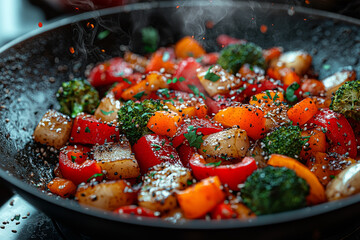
(20, 16)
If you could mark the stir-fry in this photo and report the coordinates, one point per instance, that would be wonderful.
(182, 133)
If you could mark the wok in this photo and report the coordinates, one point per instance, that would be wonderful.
(33, 67)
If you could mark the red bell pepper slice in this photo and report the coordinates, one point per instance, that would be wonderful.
(153, 149)
(187, 69)
(202, 125)
(113, 70)
(232, 175)
(78, 169)
(223, 211)
(135, 210)
(338, 131)
(185, 153)
(88, 130)
(224, 40)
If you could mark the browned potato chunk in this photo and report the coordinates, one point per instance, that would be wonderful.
(223, 85)
(231, 143)
(333, 82)
(108, 195)
(300, 61)
(108, 108)
(345, 184)
(117, 160)
(160, 186)
(54, 129)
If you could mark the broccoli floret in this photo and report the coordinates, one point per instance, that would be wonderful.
(346, 100)
(274, 189)
(285, 140)
(77, 96)
(234, 56)
(134, 116)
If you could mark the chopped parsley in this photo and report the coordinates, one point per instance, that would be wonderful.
(87, 129)
(94, 176)
(211, 76)
(193, 138)
(215, 164)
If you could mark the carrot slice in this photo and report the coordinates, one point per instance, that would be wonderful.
(188, 47)
(302, 111)
(247, 117)
(152, 82)
(157, 62)
(317, 192)
(201, 198)
(164, 123)
(315, 143)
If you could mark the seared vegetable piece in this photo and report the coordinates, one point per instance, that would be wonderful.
(217, 80)
(117, 160)
(317, 192)
(53, 129)
(227, 144)
(234, 56)
(62, 187)
(134, 117)
(345, 184)
(88, 130)
(201, 198)
(153, 149)
(346, 100)
(160, 186)
(108, 108)
(77, 96)
(285, 140)
(188, 47)
(107, 195)
(333, 82)
(300, 61)
(274, 189)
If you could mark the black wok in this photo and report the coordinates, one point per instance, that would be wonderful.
(33, 67)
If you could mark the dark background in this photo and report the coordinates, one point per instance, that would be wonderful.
(20, 16)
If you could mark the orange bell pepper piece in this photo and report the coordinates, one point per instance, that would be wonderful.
(164, 123)
(188, 47)
(201, 198)
(247, 117)
(317, 192)
(302, 111)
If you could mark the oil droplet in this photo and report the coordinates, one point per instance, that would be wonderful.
(40, 24)
(72, 50)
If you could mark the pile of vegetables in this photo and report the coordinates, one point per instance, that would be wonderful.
(183, 133)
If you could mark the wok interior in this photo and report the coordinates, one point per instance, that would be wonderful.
(32, 71)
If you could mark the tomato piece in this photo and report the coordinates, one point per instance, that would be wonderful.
(202, 125)
(113, 70)
(187, 70)
(135, 210)
(89, 130)
(77, 172)
(153, 149)
(232, 175)
(223, 211)
(338, 130)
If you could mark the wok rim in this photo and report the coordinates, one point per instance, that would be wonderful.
(265, 220)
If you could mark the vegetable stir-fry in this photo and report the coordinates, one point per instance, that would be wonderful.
(182, 133)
